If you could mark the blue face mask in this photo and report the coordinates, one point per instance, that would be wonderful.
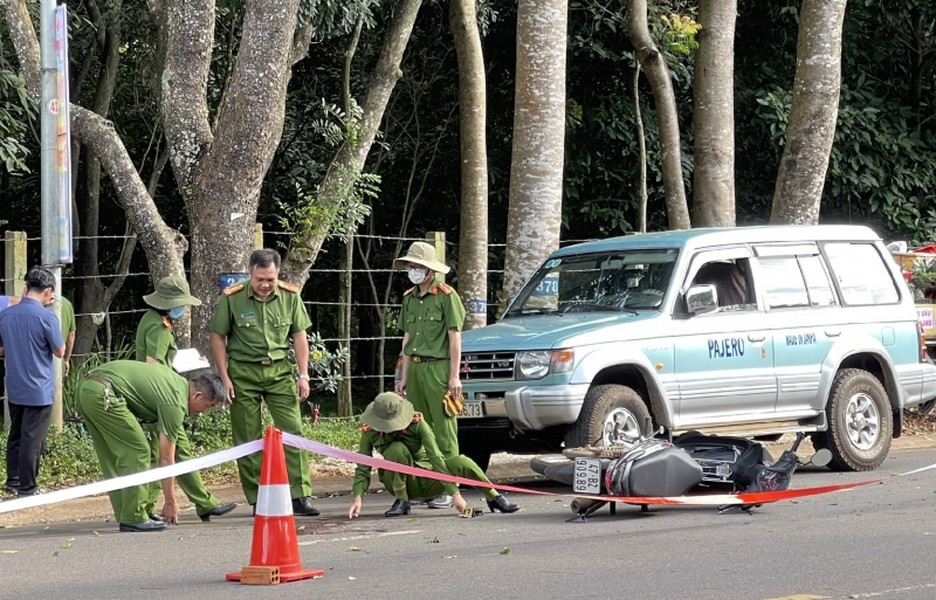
(177, 312)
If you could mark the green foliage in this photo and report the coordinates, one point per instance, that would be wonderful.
(325, 365)
(679, 34)
(337, 206)
(17, 115)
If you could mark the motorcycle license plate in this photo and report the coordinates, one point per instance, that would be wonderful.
(587, 479)
(471, 410)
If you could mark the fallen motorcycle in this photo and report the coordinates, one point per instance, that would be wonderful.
(657, 468)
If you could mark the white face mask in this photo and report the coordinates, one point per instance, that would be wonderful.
(417, 275)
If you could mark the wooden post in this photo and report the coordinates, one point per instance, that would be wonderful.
(437, 239)
(345, 407)
(258, 237)
(14, 273)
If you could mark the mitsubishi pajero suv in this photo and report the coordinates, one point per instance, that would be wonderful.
(749, 331)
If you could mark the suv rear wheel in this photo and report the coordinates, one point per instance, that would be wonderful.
(860, 422)
(611, 415)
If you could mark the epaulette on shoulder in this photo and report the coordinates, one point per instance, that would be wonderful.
(417, 417)
(365, 428)
(233, 289)
(445, 288)
(410, 291)
(289, 287)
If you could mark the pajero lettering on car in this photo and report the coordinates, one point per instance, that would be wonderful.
(752, 331)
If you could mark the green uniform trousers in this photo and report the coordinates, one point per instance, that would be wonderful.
(426, 384)
(274, 384)
(191, 483)
(405, 487)
(120, 445)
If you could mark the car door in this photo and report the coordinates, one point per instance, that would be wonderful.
(805, 320)
(724, 359)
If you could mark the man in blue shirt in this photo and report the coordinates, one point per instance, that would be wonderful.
(29, 336)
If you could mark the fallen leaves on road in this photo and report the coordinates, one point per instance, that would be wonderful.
(506, 550)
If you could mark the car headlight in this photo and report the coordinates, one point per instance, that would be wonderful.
(537, 364)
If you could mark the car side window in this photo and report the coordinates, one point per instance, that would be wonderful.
(862, 276)
(731, 281)
(796, 281)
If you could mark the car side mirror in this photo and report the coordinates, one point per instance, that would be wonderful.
(701, 299)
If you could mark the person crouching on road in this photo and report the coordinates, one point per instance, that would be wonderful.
(113, 399)
(391, 426)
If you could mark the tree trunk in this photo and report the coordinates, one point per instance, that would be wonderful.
(713, 116)
(348, 163)
(472, 100)
(534, 217)
(813, 113)
(653, 64)
(220, 173)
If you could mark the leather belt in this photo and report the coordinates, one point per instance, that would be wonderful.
(424, 359)
(103, 381)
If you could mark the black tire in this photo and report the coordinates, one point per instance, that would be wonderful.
(610, 415)
(861, 423)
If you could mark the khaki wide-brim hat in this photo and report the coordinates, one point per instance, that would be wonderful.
(423, 254)
(170, 292)
(388, 412)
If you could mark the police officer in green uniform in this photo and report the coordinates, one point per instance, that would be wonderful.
(113, 399)
(155, 344)
(431, 321)
(67, 320)
(391, 426)
(250, 334)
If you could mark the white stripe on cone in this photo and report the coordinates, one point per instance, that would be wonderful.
(274, 501)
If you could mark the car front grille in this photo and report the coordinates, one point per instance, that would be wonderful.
(487, 366)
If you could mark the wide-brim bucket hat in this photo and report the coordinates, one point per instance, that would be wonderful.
(423, 254)
(388, 412)
(170, 292)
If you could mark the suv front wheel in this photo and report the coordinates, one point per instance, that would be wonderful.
(611, 415)
(860, 422)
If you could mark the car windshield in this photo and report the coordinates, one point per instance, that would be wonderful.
(607, 281)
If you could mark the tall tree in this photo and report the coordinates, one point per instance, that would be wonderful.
(534, 217)
(813, 113)
(654, 65)
(472, 100)
(713, 202)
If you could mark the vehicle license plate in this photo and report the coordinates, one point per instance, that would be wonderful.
(587, 478)
(471, 410)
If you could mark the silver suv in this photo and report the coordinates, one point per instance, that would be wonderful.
(751, 331)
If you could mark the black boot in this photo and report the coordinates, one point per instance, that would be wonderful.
(302, 507)
(400, 507)
(502, 504)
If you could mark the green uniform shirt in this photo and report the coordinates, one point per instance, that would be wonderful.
(67, 317)
(258, 330)
(418, 439)
(427, 319)
(153, 393)
(154, 338)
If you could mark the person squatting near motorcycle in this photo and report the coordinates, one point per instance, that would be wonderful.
(431, 321)
(392, 427)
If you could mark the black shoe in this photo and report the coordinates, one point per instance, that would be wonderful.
(400, 507)
(303, 507)
(143, 526)
(218, 510)
(157, 517)
(25, 494)
(502, 504)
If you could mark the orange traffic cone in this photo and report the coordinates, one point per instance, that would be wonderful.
(274, 557)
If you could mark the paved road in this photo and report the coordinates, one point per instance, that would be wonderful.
(877, 541)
